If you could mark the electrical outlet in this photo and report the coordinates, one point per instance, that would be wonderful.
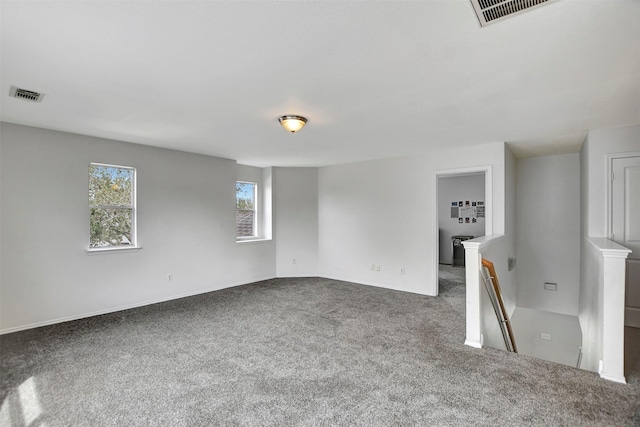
(402, 271)
(377, 267)
(548, 286)
(170, 277)
(545, 336)
(373, 267)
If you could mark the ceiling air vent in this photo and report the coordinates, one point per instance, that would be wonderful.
(490, 11)
(26, 95)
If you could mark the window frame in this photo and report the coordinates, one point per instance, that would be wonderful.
(132, 207)
(255, 210)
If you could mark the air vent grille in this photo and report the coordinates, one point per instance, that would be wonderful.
(485, 4)
(26, 95)
(489, 11)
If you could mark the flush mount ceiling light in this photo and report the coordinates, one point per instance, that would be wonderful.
(292, 123)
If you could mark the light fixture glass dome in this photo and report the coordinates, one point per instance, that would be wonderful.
(292, 123)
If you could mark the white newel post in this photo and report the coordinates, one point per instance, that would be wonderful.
(472, 267)
(614, 270)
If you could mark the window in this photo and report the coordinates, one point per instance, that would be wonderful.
(112, 209)
(246, 216)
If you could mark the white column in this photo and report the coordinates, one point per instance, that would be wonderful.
(472, 267)
(614, 271)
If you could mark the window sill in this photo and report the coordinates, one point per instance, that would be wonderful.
(254, 240)
(110, 250)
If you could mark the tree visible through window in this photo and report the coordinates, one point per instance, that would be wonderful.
(111, 206)
(246, 225)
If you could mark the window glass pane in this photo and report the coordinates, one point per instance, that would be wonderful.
(245, 209)
(245, 195)
(110, 227)
(110, 185)
(244, 223)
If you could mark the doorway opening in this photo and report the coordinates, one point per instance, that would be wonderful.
(462, 211)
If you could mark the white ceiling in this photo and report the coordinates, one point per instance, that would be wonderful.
(375, 78)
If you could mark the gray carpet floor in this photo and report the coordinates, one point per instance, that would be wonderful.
(306, 351)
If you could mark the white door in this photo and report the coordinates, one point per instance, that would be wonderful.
(626, 228)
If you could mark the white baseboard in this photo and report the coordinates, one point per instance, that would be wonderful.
(184, 295)
(378, 285)
(472, 343)
(615, 378)
(127, 307)
(609, 377)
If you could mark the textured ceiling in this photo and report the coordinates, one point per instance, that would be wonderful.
(375, 79)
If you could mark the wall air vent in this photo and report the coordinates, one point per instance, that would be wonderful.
(490, 11)
(26, 95)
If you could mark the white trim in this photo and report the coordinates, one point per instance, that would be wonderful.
(185, 295)
(471, 343)
(608, 189)
(488, 203)
(482, 241)
(609, 248)
(257, 230)
(112, 250)
(606, 376)
(252, 239)
(613, 378)
(130, 306)
(376, 285)
(133, 207)
(109, 165)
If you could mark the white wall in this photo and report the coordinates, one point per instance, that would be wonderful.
(548, 232)
(454, 189)
(383, 212)
(566, 338)
(599, 143)
(597, 146)
(186, 226)
(366, 213)
(591, 305)
(507, 276)
(296, 221)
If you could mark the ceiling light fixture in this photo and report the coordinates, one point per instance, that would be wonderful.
(292, 123)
